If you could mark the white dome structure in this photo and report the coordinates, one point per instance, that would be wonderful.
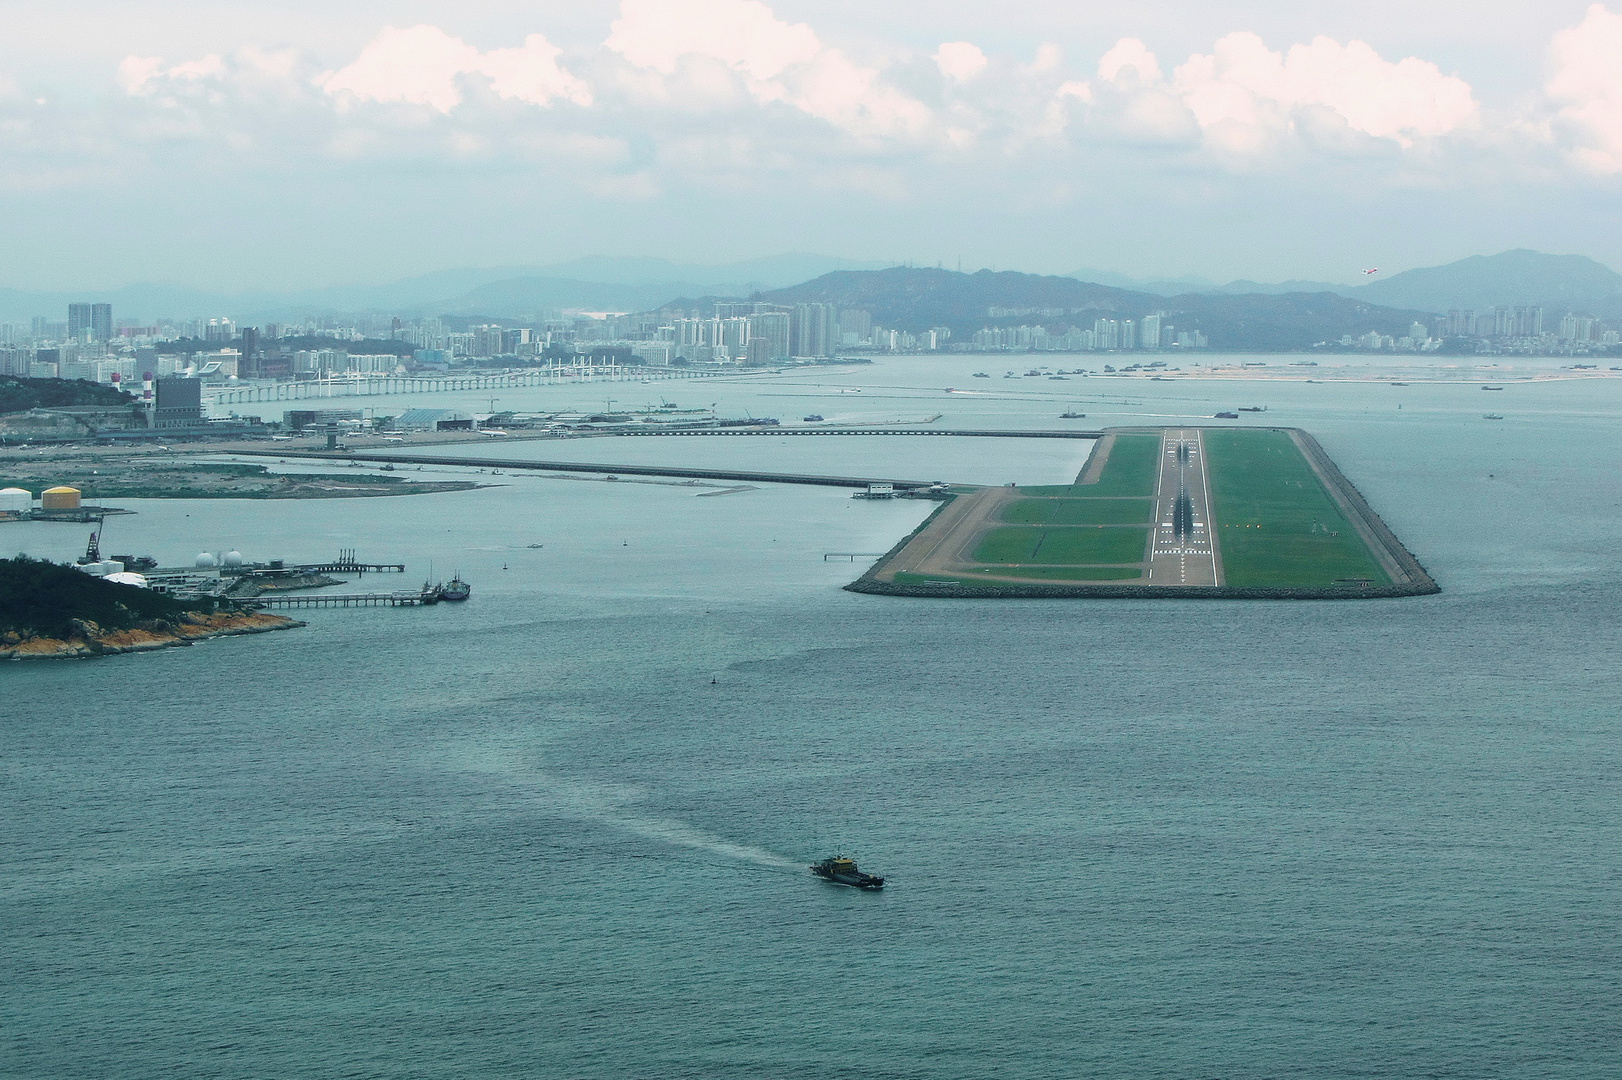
(204, 559)
(233, 558)
(127, 578)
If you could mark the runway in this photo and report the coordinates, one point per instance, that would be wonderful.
(1182, 550)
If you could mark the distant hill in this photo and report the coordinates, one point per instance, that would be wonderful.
(908, 298)
(38, 597)
(18, 394)
(1518, 278)
(1185, 285)
(1510, 279)
(917, 299)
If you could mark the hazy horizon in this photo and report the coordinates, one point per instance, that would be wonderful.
(260, 146)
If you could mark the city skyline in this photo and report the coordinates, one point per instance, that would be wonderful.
(1266, 142)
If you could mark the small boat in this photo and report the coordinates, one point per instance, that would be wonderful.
(1072, 416)
(1493, 416)
(456, 590)
(813, 418)
(981, 375)
(1253, 408)
(1226, 416)
(1492, 387)
(841, 870)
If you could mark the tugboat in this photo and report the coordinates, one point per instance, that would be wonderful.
(1072, 415)
(841, 870)
(456, 590)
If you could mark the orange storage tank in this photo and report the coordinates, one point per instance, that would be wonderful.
(59, 498)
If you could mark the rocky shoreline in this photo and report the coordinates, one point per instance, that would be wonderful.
(89, 640)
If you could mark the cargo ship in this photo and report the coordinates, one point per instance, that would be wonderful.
(456, 590)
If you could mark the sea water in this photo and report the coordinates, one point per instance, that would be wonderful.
(561, 830)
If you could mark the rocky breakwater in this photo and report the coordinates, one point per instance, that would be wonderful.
(86, 639)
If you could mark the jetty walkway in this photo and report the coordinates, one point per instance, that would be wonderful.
(518, 464)
(394, 599)
(875, 430)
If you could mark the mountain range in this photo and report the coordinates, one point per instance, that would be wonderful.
(906, 298)
(521, 292)
(1557, 283)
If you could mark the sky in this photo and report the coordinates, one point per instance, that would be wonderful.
(251, 144)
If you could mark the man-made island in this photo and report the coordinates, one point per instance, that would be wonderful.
(48, 611)
(1238, 513)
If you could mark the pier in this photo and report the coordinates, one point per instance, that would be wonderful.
(342, 567)
(394, 599)
(960, 433)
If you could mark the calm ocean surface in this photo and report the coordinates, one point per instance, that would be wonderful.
(561, 830)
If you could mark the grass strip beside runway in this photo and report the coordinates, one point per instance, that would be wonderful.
(1069, 545)
(1043, 573)
(1276, 525)
(1080, 512)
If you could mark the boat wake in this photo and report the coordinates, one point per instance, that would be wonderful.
(607, 804)
(680, 835)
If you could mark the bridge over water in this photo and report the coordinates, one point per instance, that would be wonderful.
(378, 385)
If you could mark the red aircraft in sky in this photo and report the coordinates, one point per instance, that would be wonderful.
(1376, 270)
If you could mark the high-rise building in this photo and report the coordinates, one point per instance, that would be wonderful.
(773, 327)
(94, 320)
(815, 330)
(856, 323)
(1149, 331)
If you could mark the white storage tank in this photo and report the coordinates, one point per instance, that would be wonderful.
(15, 501)
(233, 558)
(204, 558)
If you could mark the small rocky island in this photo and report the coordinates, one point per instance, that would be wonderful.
(48, 611)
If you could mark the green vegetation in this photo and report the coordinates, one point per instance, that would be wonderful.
(1276, 525)
(1067, 545)
(42, 598)
(1132, 469)
(1080, 512)
(1047, 573)
(1081, 573)
(18, 394)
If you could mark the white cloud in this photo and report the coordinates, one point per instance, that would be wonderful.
(1245, 83)
(960, 61)
(143, 76)
(1586, 86)
(743, 34)
(532, 74)
(423, 65)
(1247, 100)
(1129, 59)
(780, 62)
